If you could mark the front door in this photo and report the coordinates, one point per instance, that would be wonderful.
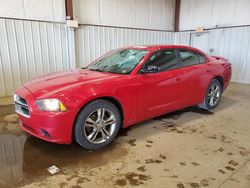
(163, 91)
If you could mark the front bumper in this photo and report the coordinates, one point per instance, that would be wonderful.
(50, 126)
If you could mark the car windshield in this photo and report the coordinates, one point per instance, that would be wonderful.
(119, 61)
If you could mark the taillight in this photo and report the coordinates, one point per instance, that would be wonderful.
(228, 66)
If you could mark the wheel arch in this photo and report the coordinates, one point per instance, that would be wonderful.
(116, 103)
(220, 79)
(107, 98)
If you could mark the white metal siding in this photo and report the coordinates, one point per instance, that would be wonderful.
(94, 41)
(231, 43)
(212, 13)
(234, 44)
(28, 49)
(182, 38)
(148, 14)
(46, 10)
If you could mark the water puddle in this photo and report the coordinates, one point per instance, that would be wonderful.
(24, 158)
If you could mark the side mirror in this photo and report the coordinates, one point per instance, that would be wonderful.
(150, 69)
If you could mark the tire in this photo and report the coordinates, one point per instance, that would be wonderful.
(97, 125)
(213, 96)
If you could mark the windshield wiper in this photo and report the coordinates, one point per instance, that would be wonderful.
(99, 70)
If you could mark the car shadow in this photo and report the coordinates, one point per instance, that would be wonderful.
(177, 119)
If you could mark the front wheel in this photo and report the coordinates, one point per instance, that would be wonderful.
(97, 125)
(212, 96)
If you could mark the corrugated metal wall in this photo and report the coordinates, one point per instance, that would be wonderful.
(234, 44)
(30, 48)
(182, 38)
(147, 14)
(231, 43)
(94, 41)
(45, 10)
(213, 13)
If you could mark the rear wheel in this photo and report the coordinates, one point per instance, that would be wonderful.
(97, 125)
(213, 95)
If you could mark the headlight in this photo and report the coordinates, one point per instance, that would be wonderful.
(52, 105)
(15, 97)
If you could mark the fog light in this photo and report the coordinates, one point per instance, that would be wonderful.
(45, 133)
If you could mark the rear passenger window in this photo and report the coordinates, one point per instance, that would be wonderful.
(202, 58)
(189, 57)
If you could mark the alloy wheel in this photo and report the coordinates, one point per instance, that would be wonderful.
(99, 125)
(214, 94)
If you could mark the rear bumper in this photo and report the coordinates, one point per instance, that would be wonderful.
(50, 126)
(226, 84)
(227, 75)
(227, 79)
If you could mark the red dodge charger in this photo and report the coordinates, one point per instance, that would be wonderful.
(123, 87)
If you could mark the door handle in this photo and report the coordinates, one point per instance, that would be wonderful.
(207, 71)
(178, 79)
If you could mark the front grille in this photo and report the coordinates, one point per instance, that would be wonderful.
(21, 106)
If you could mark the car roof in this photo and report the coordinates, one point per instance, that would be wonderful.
(158, 47)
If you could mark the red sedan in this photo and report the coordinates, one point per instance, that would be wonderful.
(123, 87)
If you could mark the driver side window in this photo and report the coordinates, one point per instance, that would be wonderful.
(164, 60)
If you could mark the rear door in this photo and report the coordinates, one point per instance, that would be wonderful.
(196, 70)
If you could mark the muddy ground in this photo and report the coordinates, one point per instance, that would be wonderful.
(188, 148)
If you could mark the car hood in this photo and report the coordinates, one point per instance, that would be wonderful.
(53, 83)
